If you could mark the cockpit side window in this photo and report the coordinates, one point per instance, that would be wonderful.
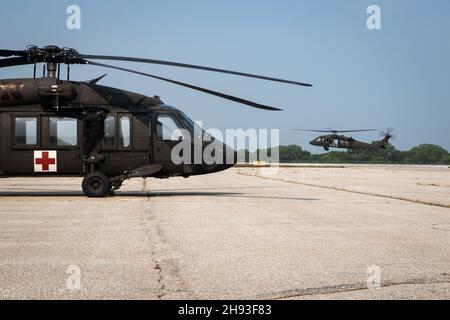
(168, 128)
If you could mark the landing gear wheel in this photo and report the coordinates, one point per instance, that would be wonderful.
(96, 184)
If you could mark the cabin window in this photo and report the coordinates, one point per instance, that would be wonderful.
(168, 128)
(63, 132)
(109, 140)
(124, 132)
(26, 131)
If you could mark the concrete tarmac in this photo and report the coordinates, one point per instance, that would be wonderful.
(358, 232)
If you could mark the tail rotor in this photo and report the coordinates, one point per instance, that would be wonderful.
(388, 134)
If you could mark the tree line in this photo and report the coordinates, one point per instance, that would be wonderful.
(421, 154)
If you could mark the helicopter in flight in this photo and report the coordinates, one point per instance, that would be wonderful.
(335, 139)
(55, 127)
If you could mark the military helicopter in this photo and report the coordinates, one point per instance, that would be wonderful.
(74, 128)
(334, 139)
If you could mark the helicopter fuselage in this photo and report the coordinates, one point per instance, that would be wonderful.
(344, 142)
(63, 128)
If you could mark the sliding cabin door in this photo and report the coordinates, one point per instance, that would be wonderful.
(126, 144)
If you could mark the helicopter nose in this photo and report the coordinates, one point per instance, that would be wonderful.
(229, 160)
(234, 158)
(229, 157)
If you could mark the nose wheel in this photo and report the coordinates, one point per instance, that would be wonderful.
(96, 184)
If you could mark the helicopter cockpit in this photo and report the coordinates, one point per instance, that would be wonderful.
(174, 125)
(178, 135)
(195, 128)
(316, 142)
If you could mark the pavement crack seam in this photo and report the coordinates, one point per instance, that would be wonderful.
(161, 285)
(343, 288)
(169, 281)
(153, 237)
(353, 191)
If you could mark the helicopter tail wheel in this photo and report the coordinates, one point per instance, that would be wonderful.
(96, 184)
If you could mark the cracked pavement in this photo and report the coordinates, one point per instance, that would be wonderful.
(231, 235)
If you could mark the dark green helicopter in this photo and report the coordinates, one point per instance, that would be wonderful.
(54, 127)
(334, 139)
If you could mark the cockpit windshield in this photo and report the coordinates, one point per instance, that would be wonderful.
(195, 127)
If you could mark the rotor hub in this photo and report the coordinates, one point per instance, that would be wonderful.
(53, 54)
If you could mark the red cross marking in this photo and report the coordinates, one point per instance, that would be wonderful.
(45, 161)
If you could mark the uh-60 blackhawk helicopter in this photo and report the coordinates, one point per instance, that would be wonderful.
(334, 139)
(58, 127)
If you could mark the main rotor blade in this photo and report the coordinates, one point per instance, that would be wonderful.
(191, 66)
(9, 53)
(214, 93)
(363, 130)
(11, 62)
(312, 130)
(336, 131)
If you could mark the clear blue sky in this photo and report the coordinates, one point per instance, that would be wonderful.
(398, 76)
